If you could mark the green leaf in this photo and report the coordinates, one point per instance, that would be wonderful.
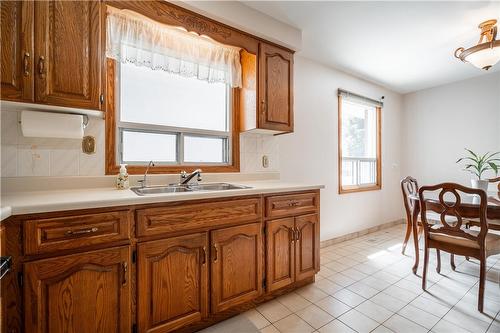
(494, 167)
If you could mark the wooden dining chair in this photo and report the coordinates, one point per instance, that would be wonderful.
(409, 188)
(495, 180)
(452, 237)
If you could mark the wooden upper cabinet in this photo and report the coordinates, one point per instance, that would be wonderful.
(87, 292)
(68, 53)
(275, 89)
(307, 246)
(17, 50)
(172, 282)
(236, 270)
(280, 253)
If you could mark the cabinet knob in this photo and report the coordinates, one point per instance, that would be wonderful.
(263, 106)
(124, 271)
(215, 253)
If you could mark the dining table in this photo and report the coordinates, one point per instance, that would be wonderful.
(467, 208)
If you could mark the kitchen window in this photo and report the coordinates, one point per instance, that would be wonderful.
(171, 119)
(359, 143)
(171, 97)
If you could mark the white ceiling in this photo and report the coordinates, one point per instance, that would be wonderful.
(404, 46)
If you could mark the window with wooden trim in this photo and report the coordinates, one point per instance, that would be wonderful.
(359, 143)
(171, 97)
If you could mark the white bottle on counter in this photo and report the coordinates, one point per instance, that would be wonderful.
(122, 182)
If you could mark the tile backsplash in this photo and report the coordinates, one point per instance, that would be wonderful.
(21, 156)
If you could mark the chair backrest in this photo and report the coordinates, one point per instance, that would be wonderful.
(454, 209)
(409, 187)
(494, 180)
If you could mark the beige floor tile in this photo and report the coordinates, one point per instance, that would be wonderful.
(336, 326)
(382, 329)
(363, 289)
(358, 321)
(419, 316)
(374, 311)
(269, 329)
(398, 323)
(256, 318)
(273, 310)
(354, 274)
(444, 326)
(325, 271)
(341, 279)
(314, 316)
(333, 306)
(467, 322)
(388, 302)
(293, 324)
(328, 286)
(293, 301)
(430, 306)
(311, 293)
(401, 294)
(349, 298)
(375, 283)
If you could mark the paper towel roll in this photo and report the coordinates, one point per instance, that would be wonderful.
(51, 125)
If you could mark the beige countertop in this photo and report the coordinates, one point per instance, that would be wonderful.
(17, 203)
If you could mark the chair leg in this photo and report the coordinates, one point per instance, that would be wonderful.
(452, 262)
(482, 281)
(438, 266)
(426, 263)
(407, 237)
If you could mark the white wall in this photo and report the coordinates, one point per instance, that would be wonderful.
(310, 153)
(439, 122)
(27, 157)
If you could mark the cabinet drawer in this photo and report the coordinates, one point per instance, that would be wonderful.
(188, 216)
(292, 204)
(70, 232)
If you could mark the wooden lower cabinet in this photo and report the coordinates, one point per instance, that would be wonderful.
(87, 292)
(306, 246)
(236, 265)
(172, 282)
(280, 253)
(292, 250)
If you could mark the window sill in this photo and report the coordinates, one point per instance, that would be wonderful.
(354, 189)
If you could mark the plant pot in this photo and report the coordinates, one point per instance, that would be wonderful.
(480, 184)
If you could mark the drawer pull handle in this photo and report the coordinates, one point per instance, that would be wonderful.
(26, 64)
(297, 234)
(125, 271)
(82, 231)
(293, 203)
(291, 235)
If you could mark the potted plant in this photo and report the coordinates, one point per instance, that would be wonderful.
(478, 164)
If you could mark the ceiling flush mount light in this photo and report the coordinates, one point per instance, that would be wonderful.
(487, 51)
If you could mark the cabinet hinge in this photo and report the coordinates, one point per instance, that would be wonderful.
(134, 328)
(20, 279)
(101, 98)
(134, 256)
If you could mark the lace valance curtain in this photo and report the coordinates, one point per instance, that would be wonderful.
(134, 38)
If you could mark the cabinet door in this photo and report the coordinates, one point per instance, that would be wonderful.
(87, 292)
(236, 265)
(172, 282)
(307, 246)
(17, 50)
(275, 88)
(280, 253)
(67, 50)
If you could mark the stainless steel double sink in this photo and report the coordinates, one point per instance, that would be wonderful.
(147, 190)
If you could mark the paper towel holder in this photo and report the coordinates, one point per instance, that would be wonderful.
(85, 121)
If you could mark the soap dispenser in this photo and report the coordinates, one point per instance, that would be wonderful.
(122, 182)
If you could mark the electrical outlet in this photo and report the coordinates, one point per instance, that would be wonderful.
(265, 161)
